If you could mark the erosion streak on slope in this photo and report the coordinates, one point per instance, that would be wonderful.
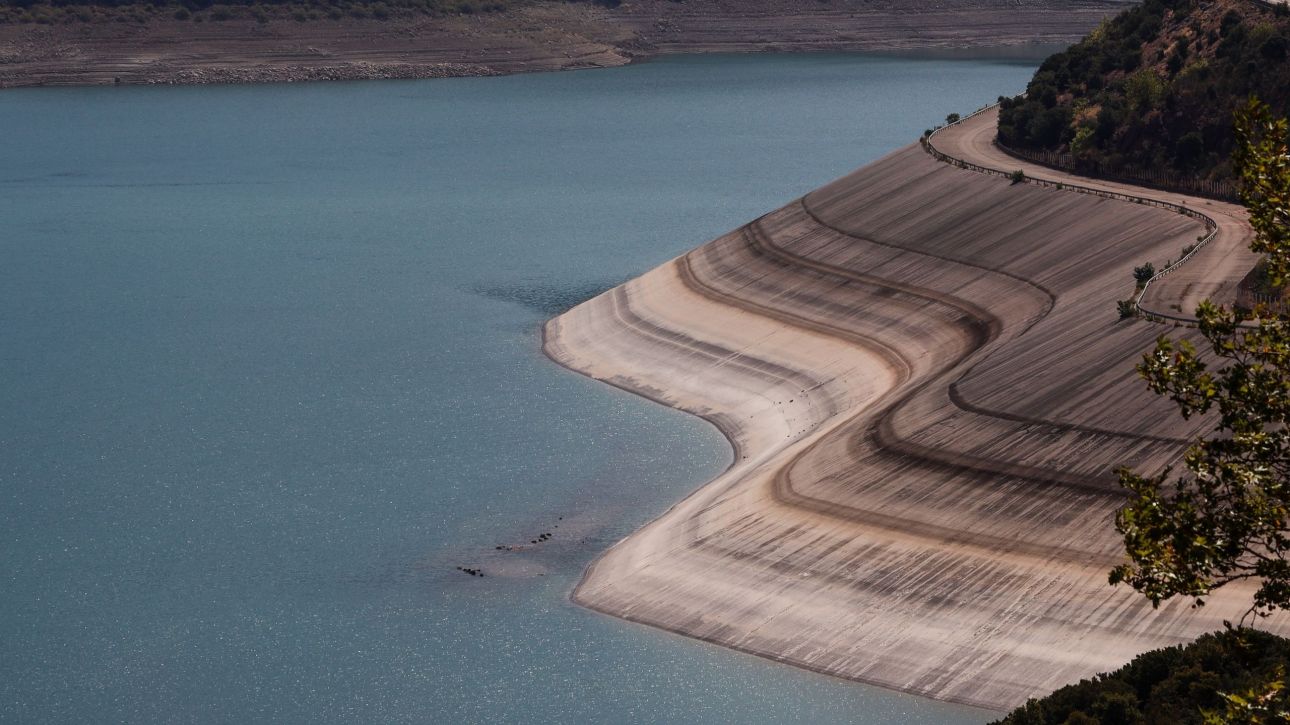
(1215, 271)
(926, 387)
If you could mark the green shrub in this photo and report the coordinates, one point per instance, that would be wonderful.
(1167, 112)
(1185, 685)
(1144, 273)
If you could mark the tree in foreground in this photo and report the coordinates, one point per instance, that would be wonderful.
(1225, 519)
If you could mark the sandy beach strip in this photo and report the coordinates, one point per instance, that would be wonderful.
(924, 377)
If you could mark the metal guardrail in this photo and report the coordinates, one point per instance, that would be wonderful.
(1189, 186)
(1161, 316)
(1211, 226)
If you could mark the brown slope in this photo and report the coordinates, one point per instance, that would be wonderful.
(927, 387)
(536, 37)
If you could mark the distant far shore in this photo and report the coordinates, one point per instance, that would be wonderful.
(162, 49)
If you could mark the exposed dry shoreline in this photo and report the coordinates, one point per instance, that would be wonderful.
(922, 374)
(541, 37)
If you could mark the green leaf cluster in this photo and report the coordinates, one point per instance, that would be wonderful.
(1153, 89)
(1234, 676)
(1226, 517)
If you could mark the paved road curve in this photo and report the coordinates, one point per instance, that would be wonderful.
(1212, 273)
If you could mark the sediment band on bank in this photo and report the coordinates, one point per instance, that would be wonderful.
(927, 386)
(529, 37)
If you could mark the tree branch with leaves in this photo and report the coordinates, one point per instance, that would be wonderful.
(1226, 518)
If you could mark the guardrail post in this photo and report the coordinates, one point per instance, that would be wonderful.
(1210, 225)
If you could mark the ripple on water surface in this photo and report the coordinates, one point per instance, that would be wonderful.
(272, 374)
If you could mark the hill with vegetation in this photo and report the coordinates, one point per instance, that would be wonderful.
(1154, 88)
(1232, 676)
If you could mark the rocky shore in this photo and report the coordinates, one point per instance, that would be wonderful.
(537, 37)
(299, 73)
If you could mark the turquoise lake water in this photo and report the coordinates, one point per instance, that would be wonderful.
(272, 371)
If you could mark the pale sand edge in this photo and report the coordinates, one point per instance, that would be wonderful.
(733, 433)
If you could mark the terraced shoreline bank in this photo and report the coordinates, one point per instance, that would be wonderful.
(927, 387)
(538, 37)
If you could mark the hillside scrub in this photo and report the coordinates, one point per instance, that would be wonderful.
(1227, 676)
(1155, 87)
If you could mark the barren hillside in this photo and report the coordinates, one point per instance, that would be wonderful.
(157, 48)
(923, 375)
